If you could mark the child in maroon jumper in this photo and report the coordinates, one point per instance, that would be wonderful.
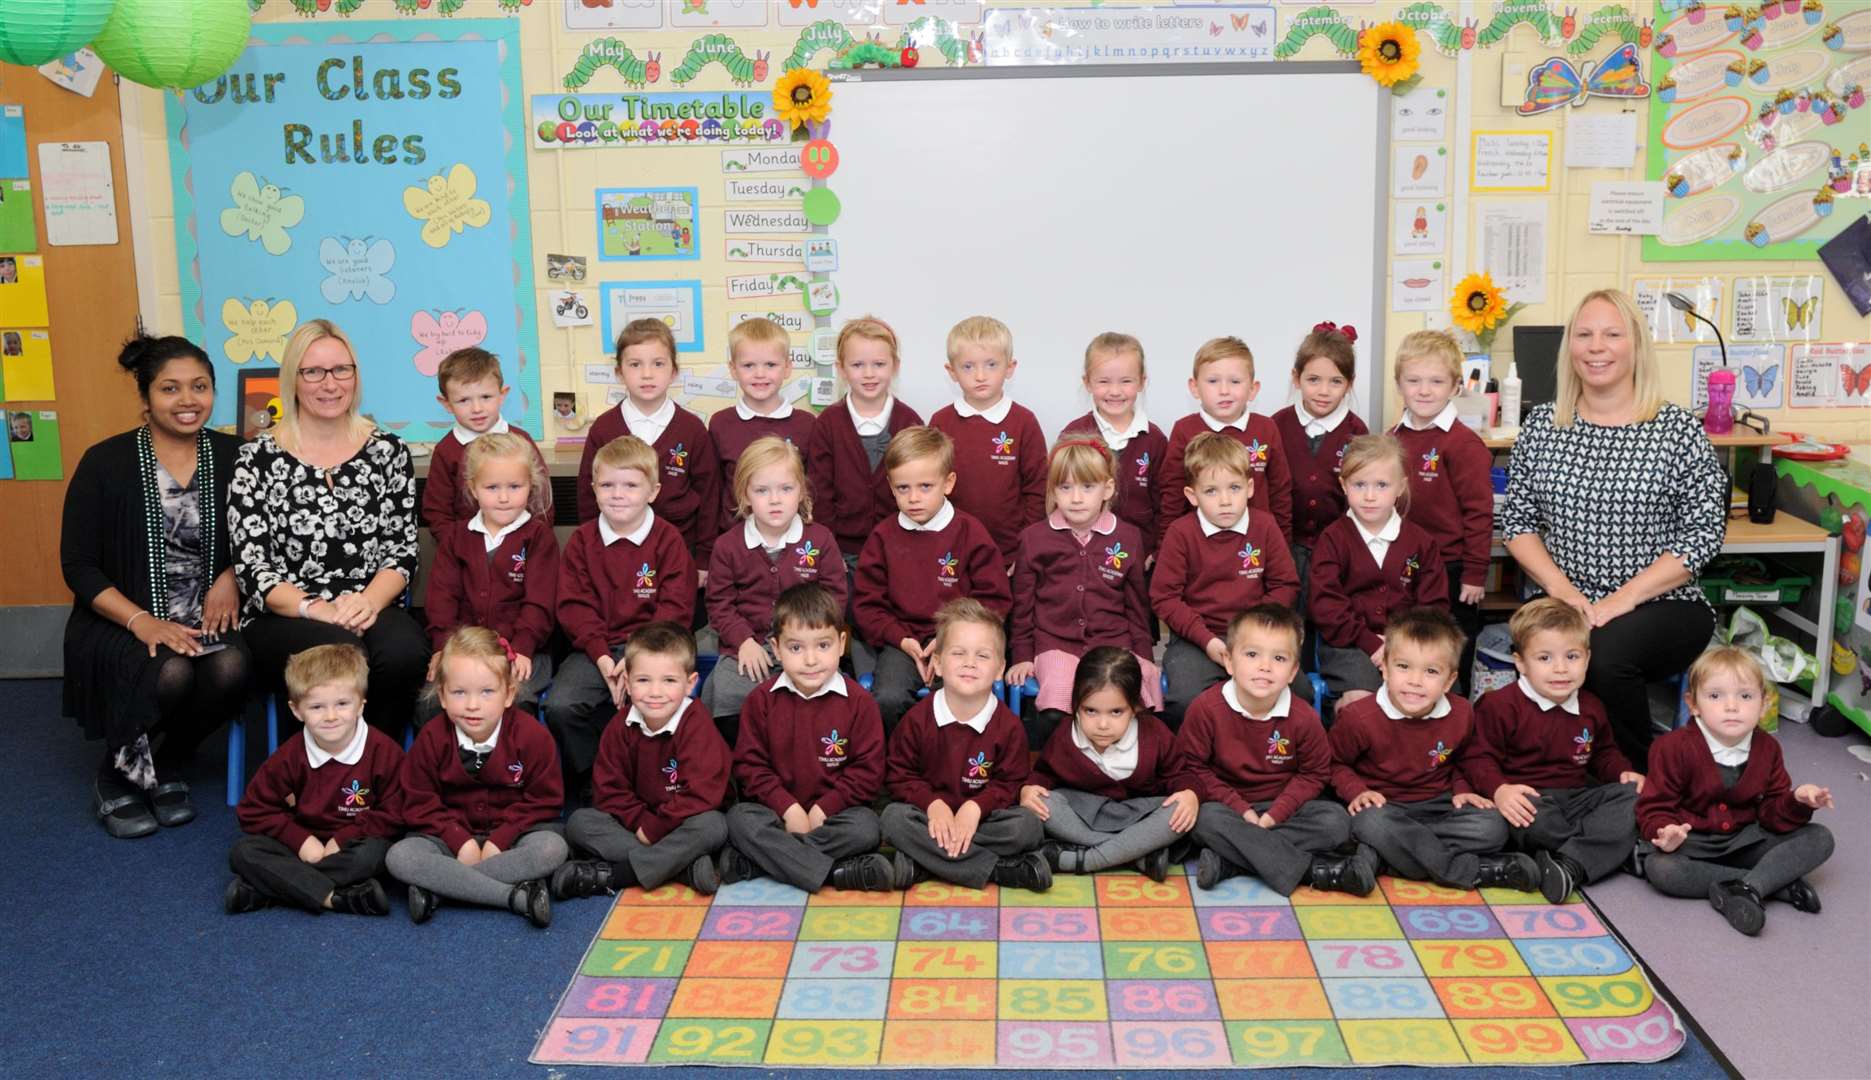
(1110, 786)
(929, 554)
(688, 489)
(1369, 563)
(1000, 452)
(472, 390)
(777, 546)
(956, 767)
(318, 816)
(1212, 564)
(1543, 751)
(500, 568)
(625, 569)
(1314, 431)
(1718, 817)
(1223, 382)
(809, 761)
(1114, 378)
(659, 782)
(480, 792)
(1395, 762)
(1451, 492)
(1078, 582)
(759, 361)
(1258, 760)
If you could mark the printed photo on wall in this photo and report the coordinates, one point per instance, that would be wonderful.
(647, 223)
(259, 401)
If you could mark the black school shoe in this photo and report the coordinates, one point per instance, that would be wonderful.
(241, 898)
(422, 904)
(1211, 869)
(731, 866)
(171, 804)
(532, 900)
(121, 808)
(582, 877)
(1801, 894)
(1029, 871)
(863, 873)
(702, 876)
(1343, 873)
(363, 898)
(905, 872)
(1155, 865)
(1559, 875)
(1517, 871)
(1739, 904)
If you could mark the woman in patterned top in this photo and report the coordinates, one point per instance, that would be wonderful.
(323, 515)
(1615, 502)
(150, 664)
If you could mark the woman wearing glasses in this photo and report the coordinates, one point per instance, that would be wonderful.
(323, 518)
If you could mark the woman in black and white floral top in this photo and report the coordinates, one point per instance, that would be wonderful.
(1615, 502)
(323, 516)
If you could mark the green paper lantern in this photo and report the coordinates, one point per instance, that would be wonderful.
(34, 32)
(174, 44)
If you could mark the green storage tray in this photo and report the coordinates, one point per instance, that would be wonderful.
(1747, 580)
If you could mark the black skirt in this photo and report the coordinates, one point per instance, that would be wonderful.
(110, 678)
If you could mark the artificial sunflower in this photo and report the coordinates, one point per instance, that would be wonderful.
(1388, 52)
(1479, 307)
(802, 96)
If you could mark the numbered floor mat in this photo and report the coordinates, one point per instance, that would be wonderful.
(1103, 972)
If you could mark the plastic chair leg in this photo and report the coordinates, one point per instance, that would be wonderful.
(236, 757)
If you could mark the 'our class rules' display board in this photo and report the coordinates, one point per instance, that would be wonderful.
(1103, 972)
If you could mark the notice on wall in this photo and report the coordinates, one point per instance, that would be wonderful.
(1512, 246)
(1626, 207)
(1601, 140)
(80, 199)
(1416, 285)
(1420, 228)
(1511, 161)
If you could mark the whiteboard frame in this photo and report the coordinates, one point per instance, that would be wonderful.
(1375, 398)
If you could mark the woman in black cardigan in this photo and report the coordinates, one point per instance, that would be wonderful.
(152, 664)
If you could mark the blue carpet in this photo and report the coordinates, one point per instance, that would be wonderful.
(125, 965)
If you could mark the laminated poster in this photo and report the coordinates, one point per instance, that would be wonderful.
(1777, 308)
(1830, 373)
(1669, 326)
(26, 365)
(1760, 374)
(22, 291)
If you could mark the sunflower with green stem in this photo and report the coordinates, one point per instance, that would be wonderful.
(802, 97)
(1389, 52)
(1479, 307)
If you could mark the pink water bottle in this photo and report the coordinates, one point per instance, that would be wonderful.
(1720, 419)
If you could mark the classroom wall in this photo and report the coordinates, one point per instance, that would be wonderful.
(564, 217)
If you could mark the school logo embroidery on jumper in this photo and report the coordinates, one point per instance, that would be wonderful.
(1338, 462)
(1003, 443)
(517, 572)
(518, 769)
(978, 769)
(672, 773)
(832, 749)
(1279, 748)
(947, 568)
(1250, 556)
(1143, 466)
(1410, 566)
(679, 456)
(808, 553)
(1115, 555)
(354, 800)
(1257, 453)
(1582, 747)
(646, 576)
(1439, 753)
(1432, 461)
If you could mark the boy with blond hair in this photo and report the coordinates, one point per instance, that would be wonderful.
(1223, 383)
(1000, 452)
(759, 361)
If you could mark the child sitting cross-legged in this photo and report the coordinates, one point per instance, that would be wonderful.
(809, 760)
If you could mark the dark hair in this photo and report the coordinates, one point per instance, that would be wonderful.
(810, 606)
(1268, 615)
(1108, 666)
(662, 639)
(1331, 344)
(1427, 627)
(145, 357)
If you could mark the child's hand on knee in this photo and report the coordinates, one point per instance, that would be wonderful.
(1468, 798)
(967, 820)
(815, 817)
(643, 838)
(489, 849)
(1183, 806)
(1670, 837)
(795, 820)
(1636, 779)
(1366, 799)
(1515, 802)
(331, 846)
(1033, 797)
(311, 851)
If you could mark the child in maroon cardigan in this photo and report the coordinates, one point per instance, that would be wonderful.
(956, 767)
(1451, 493)
(1211, 564)
(480, 792)
(1370, 562)
(809, 761)
(661, 776)
(1543, 751)
(688, 490)
(1223, 382)
(1078, 582)
(1110, 786)
(1395, 758)
(777, 546)
(929, 554)
(500, 568)
(472, 390)
(1314, 430)
(318, 816)
(759, 361)
(1718, 815)
(1114, 377)
(1000, 452)
(627, 568)
(1258, 759)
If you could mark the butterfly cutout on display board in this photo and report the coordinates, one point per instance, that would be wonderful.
(1856, 383)
(1759, 382)
(1556, 82)
(1800, 313)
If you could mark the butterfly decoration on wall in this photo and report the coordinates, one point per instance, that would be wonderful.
(1856, 383)
(1759, 381)
(1800, 313)
(359, 269)
(443, 333)
(1557, 83)
(262, 212)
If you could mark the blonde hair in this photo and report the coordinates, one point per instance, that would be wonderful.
(476, 643)
(626, 452)
(638, 331)
(916, 443)
(308, 334)
(762, 452)
(662, 638)
(982, 330)
(1645, 371)
(1078, 460)
(966, 610)
(1111, 342)
(468, 365)
(1429, 345)
(1364, 451)
(1547, 615)
(758, 332)
(1215, 350)
(1213, 450)
(497, 445)
(1729, 658)
(870, 328)
(322, 664)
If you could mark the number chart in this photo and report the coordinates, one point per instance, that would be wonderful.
(1107, 972)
